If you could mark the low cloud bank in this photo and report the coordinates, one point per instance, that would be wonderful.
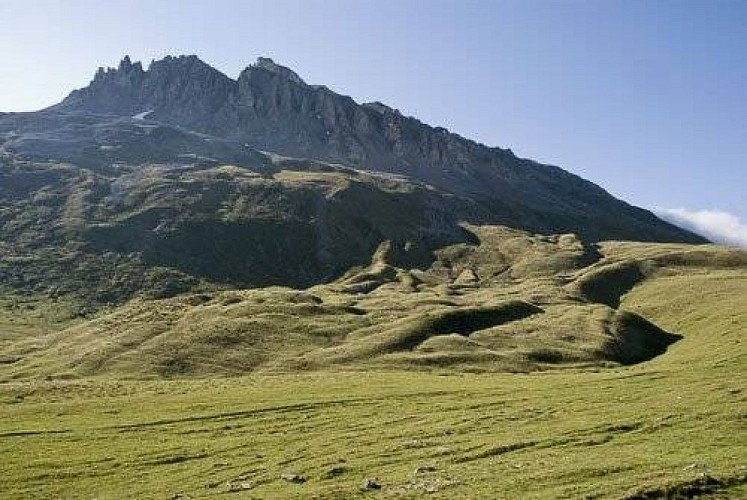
(716, 225)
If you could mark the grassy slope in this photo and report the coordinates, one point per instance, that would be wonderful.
(156, 231)
(509, 304)
(666, 423)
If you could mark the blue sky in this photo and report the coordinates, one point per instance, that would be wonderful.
(646, 98)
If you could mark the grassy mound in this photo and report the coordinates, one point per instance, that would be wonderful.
(453, 315)
(366, 345)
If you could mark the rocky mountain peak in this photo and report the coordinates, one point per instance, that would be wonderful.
(125, 64)
(267, 64)
(181, 64)
(184, 85)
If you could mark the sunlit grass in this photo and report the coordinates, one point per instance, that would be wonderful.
(671, 425)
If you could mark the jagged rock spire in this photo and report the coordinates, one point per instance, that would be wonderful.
(125, 64)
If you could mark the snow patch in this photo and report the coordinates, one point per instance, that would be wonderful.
(142, 116)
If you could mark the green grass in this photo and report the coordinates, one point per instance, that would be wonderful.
(676, 424)
(406, 318)
(556, 435)
(109, 235)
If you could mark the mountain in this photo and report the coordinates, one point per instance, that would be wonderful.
(270, 108)
(176, 178)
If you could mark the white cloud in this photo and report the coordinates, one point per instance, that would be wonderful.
(716, 225)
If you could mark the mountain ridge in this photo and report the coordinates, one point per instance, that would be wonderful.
(270, 108)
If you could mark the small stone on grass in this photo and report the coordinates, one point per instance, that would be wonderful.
(293, 478)
(371, 483)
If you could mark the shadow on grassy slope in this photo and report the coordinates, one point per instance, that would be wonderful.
(634, 339)
(606, 284)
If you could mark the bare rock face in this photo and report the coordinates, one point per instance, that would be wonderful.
(268, 64)
(183, 90)
(269, 107)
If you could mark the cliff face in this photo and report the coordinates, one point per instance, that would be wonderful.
(269, 107)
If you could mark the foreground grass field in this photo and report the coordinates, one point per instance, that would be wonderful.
(675, 425)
